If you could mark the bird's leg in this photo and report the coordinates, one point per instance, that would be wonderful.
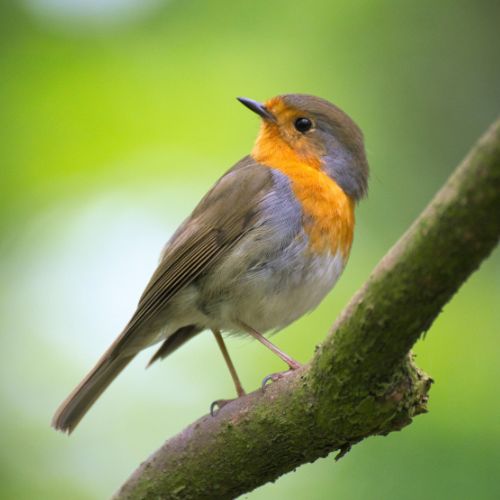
(237, 384)
(293, 365)
(285, 357)
(232, 370)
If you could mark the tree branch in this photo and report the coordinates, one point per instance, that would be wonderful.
(362, 380)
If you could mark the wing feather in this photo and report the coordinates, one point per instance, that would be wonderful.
(222, 217)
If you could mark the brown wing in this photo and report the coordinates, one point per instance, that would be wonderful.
(221, 218)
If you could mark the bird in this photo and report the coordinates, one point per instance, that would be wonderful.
(262, 248)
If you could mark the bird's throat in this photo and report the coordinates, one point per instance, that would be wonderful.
(328, 211)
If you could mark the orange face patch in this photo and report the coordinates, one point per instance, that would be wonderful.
(281, 142)
(328, 211)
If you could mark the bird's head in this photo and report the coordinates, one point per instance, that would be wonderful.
(303, 129)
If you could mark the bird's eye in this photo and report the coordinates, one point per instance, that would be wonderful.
(303, 124)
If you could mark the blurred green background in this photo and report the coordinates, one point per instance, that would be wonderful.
(116, 116)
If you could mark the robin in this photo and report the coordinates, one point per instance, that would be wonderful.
(262, 248)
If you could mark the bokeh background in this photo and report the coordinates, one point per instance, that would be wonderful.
(117, 115)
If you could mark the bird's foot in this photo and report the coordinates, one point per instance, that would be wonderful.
(218, 405)
(273, 377)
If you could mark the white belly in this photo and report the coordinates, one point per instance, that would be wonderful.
(274, 295)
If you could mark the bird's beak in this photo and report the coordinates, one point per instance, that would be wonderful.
(258, 108)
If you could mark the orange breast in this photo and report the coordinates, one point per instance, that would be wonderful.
(328, 211)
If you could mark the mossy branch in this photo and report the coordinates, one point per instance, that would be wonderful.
(362, 380)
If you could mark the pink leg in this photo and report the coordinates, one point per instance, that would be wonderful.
(285, 357)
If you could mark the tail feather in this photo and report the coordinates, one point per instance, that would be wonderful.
(86, 393)
(174, 341)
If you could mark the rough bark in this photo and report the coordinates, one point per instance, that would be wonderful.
(361, 380)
